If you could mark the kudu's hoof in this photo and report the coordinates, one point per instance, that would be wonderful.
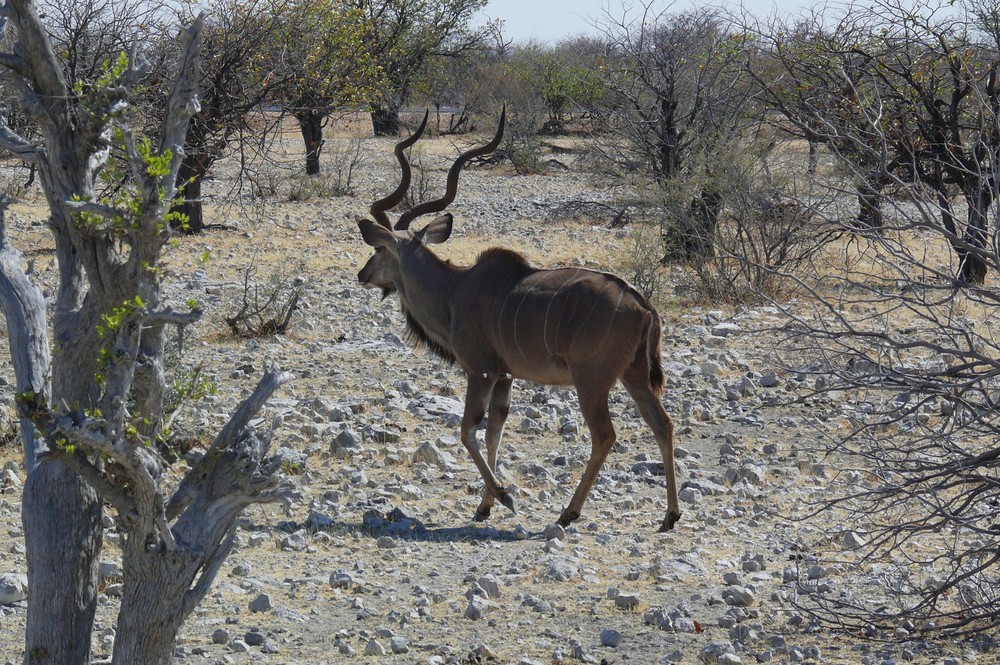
(567, 518)
(481, 515)
(669, 521)
(508, 500)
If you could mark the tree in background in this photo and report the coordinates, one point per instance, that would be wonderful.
(940, 82)
(92, 411)
(236, 81)
(453, 81)
(900, 97)
(86, 34)
(566, 79)
(406, 35)
(541, 86)
(679, 109)
(810, 76)
(474, 80)
(325, 63)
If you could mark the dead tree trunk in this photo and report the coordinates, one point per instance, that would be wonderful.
(63, 539)
(57, 506)
(870, 207)
(23, 306)
(973, 267)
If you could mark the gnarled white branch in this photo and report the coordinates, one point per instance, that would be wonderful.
(183, 102)
(209, 572)
(46, 71)
(14, 143)
(230, 434)
(23, 306)
(168, 317)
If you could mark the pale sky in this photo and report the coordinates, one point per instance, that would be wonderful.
(552, 20)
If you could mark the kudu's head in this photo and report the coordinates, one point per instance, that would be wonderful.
(391, 243)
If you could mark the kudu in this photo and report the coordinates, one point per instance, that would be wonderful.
(501, 319)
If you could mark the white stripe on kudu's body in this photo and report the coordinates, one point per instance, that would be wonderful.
(502, 319)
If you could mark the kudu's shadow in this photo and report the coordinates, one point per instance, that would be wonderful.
(396, 524)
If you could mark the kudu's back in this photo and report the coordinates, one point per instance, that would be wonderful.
(557, 326)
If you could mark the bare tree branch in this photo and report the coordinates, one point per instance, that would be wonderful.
(23, 306)
(15, 144)
(273, 379)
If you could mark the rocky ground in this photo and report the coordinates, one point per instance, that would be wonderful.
(375, 557)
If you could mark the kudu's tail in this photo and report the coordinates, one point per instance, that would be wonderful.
(654, 332)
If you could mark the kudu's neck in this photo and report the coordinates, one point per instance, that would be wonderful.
(425, 291)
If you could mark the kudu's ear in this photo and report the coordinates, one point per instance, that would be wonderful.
(374, 234)
(437, 231)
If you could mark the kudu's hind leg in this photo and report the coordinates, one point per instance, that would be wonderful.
(594, 404)
(498, 410)
(477, 395)
(659, 421)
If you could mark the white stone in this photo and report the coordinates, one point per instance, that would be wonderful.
(13, 588)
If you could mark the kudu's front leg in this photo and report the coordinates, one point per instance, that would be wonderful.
(499, 408)
(477, 396)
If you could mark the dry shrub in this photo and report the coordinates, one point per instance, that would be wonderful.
(639, 261)
(265, 308)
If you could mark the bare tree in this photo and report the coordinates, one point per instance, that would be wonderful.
(908, 93)
(682, 125)
(677, 102)
(92, 409)
(810, 75)
(90, 33)
(909, 352)
(234, 86)
(235, 83)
